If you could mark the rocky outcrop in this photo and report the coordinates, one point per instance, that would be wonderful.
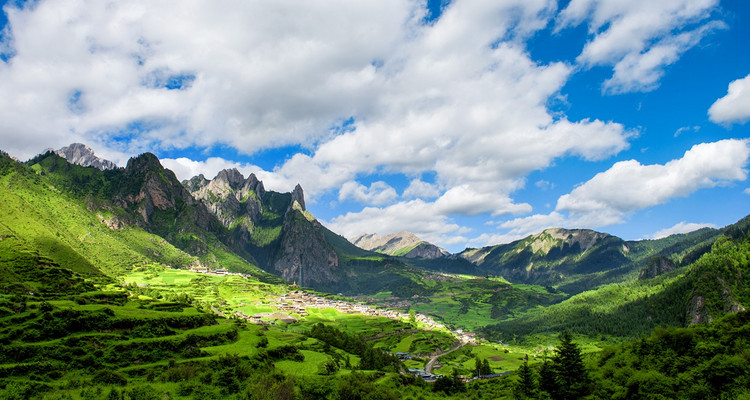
(402, 243)
(299, 253)
(147, 186)
(304, 256)
(80, 154)
(234, 200)
(656, 266)
(551, 238)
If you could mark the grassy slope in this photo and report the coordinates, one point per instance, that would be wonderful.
(40, 219)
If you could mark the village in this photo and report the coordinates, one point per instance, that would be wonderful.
(298, 301)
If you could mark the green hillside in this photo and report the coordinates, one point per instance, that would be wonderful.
(698, 293)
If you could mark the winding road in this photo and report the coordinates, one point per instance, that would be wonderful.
(430, 364)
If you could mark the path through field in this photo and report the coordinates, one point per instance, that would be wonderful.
(428, 367)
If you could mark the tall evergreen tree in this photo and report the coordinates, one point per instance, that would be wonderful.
(548, 377)
(486, 370)
(572, 379)
(526, 386)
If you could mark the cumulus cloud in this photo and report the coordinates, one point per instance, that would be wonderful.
(416, 216)
(377, 194)
(735, 105)
(639, 38)
(466, 200)
(629, 186)
(421, 189)
(365, 87)
(681, 227)
(174, 74)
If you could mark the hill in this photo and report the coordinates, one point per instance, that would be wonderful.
(575, 260)
(697, 293)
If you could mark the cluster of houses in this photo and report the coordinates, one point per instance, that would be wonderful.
(298, 301)
(426, 376)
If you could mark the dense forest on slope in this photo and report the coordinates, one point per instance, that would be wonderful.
(708, 288)
(709, 361)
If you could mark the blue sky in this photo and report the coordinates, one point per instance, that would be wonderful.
(467, 122)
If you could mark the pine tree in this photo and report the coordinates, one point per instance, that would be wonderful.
(571, 376)
(486, 370)
(526, 386)
(548, 377)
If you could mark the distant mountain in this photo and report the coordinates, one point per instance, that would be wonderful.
(674, 289)
(404, 244)
(574, 260)
(80, 154)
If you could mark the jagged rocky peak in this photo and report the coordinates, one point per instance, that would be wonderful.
(299, 196)
(79, 153)
(230, 177)
(149, 186)
(228, 182)
(195, 183)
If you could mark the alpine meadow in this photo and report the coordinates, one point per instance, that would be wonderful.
(374, 200)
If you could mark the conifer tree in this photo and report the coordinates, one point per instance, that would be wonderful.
(486, 370)
(526, 386)
(570, 374)
(547, 377)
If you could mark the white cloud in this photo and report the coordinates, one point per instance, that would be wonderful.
(460, 98)
(544, 184)
(735, 105)
(520, 228)
(466, 200)
(416, 216)
(679, 131)
(639, 38)
(263, 73)
(630, 186)
(421, 189)
(379, 193)
(746, 191)
(681, 227)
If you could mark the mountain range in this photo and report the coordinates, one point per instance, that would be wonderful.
(233, 222)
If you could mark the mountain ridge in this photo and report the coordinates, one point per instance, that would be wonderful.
(403, 243)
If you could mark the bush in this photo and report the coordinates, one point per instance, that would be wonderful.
(109, 378)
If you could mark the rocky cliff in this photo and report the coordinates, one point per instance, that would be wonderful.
(234, 200)
(657, 265)
(274, 227)
(147, 187)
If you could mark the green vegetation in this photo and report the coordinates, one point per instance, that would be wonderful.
(96, 301)
(705, 290)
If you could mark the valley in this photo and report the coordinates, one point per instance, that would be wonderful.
(126, 283)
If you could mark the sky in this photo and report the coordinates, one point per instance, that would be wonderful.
(466, 122)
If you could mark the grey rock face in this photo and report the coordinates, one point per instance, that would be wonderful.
(79, 153)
